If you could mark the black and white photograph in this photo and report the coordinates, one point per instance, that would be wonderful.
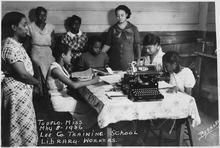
(109, 73)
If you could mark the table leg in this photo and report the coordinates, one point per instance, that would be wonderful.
(189, 132)
(160, 137)
(180, 133)
(109, 136)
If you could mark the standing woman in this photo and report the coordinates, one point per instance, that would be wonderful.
(17, 86)
(42, 36)
(75, 39)
(123, 41)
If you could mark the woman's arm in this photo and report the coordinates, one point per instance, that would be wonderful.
(22, 75)
(105, 48)
(137, 44)
(108, 42)
(138, 47)
(56, 73)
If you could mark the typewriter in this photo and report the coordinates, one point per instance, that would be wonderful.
(142, 85)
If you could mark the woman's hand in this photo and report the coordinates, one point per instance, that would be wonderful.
(38, 89)
(172, 90)
(159, 67)
(139, 63)
(95, 79)
(21, 74)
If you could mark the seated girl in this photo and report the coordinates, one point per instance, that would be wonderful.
(94, 58)
(152, 51)
(58, 79)
(181, 77)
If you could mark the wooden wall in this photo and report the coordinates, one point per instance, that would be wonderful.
(98, 16)
(178, 24)
(211, 22)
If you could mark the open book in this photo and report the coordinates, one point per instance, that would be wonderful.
(115, 78)
(83, 75)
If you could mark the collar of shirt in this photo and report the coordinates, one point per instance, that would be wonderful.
(127, 26)
(160, 52)
(157, 58)
(73, 35)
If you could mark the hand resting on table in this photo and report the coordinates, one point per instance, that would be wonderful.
(172, 90)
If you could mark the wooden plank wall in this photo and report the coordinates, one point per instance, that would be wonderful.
(211, 27)
(98, 16)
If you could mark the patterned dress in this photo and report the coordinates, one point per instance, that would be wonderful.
(123, 46)
(77, 43)
(19, 115)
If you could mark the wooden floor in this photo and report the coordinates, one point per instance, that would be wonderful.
(209, 114)
(212, 139)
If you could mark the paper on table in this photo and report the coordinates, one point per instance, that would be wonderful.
(163, 85)
(111, 78)
(115, 93)
(121, 73)
(116, 97)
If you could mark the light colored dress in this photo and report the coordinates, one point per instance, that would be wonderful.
(62, 102)
(182, 79)
(41, 52)
(19, 114)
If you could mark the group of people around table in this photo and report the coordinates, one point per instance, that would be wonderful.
(58, 59)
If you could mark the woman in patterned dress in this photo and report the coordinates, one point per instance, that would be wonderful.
(19, 120)
(75, 39)
(42, 35)
(123, 41)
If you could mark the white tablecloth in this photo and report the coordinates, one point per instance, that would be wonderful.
(173, 106)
